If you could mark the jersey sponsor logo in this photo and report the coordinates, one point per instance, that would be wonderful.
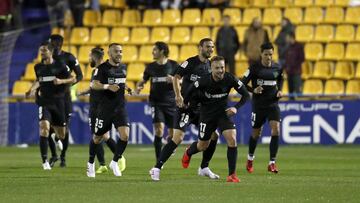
(47, 79)
(116, 80)
(276, 74)
(266, 82)
(159, 79)
(194, 77)
(215, 96)
(184, 64)
(302, 107)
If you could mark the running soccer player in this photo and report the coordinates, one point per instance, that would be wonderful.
(215, 114)
(109, 79)
(162, 96)
(190, 70)
(267, 80)
(50, 86)
(70, 61)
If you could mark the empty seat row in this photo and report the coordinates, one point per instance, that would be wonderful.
(332, 51)
(327, 33)
(332, 87)
(287, 3)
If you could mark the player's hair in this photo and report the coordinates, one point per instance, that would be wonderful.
(202, 41)
(114, 44)
(56, 37)
(48, 45)
(97, 52)
(162, 46)
(266, 45)
(217, 58)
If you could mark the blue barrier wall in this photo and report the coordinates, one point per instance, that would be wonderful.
(305, 122)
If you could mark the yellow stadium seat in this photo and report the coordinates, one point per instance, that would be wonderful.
(334, 51)
(174, 52)
(272, 16)
(241, 32)
(191, 16)
(145, 54)
(276, 32)
(21, 87)
(345, 33)
(106, 3)
(135, 71)
(334, 15)
(171, 17)
(303, 3)
(261, 3)
(357, 36)
(99, 35)
(313, 86)
(353, 87)
(282, 3)
(352, 15)
(285, 87)
(211, 16)
(240, 3)
(240, 56)
(30, 72)
(324, 3)
(324, 33)
(323, 70)
(79, 36)
(357, 72)
(199, 33)
(235, 15)
(130, 54)
(152, 17)
(214, 32)
(131, 17)
(241, 68)
(313, 51)
(120, 35)
(294, 14)
(304, 33)
(250, 14)
(334, 87)
(343, 3)
(120, 4)
(353, 52)
(140, 35)
(84, 52)
(306, 70)
(160, 34)
(111, 18)
(269, 31)
(344, 70)
(180, 35)
(313, 15)
(187, 51)
(88, 72)
(91, 18)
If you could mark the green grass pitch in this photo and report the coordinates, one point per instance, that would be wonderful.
(307, 174)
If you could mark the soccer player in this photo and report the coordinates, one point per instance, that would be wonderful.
(214, 89)
(189, 71)
(109, 79)
(267, 79)
(70, 61)
(162, 96)
(95, 59)
(51, 82)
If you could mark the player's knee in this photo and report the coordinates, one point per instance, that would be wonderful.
(97, 139)
(214, 135)
(44, 132)
(177, 139)
(202, 146)
(159, 131)
(256, 133)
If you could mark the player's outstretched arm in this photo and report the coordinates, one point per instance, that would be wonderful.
(140, 86)
(32, 89)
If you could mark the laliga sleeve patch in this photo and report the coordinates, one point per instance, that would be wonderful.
(184, 64)
(247, 72)
(196, 84)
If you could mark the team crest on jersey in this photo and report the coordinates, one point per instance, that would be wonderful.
(276, 74)
(196, 84)
(184, 64)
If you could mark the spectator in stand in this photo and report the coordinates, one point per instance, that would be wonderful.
(294, 57)
(5, 15)
(56, 10)
(218, 3)
(227, 43)
(286, 28)
(77, 8)
(255, 36)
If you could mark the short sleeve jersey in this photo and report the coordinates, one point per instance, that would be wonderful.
(270, 78)
(109, 74)
(161, 92)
